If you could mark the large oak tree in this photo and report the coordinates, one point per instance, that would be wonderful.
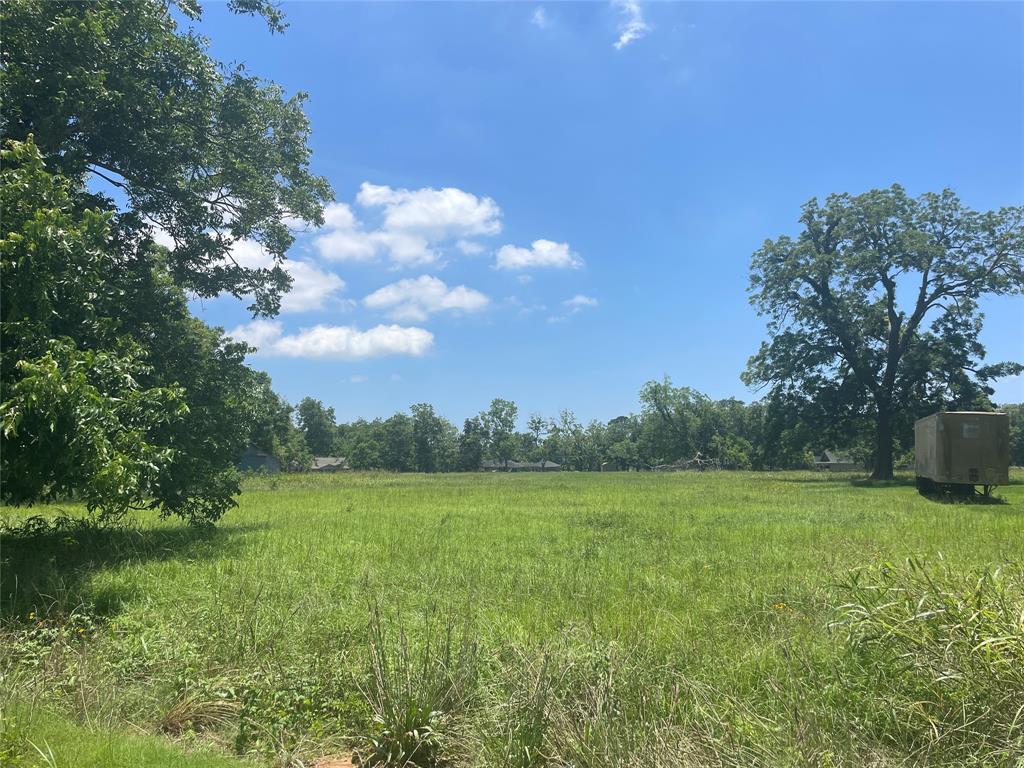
(873, 308)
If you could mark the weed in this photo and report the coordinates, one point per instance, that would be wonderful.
(416, 693)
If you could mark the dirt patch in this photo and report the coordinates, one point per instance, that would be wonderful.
(334, 762)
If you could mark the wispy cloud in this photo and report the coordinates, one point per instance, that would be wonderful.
(632, 26)
(540, 18)
(579, 301)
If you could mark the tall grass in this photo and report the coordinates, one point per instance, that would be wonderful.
(527, 621)
(943, 653)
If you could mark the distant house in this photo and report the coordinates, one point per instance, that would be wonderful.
(255, 460)
(521, 466)
(833, 461)
(329, 464)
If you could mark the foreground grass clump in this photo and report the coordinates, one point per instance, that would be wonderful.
(549, 620)
(944, 651)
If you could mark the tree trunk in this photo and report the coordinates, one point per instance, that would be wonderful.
(883, 442)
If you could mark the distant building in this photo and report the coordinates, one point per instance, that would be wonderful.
(521, 466)
(255, 460)
(833, 461)
(329, 464)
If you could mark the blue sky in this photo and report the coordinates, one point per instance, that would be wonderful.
(557, 202)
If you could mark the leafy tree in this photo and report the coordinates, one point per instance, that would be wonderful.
(434, 440)
(113, 90)
(849, 302)
(69, 301)
(362, 444)
(79, 423)
(499, 422)
(397, 451)
(273, 428)
(1016, 416)
(317, 423)
(672, 420)
(622, 446)
(211, 155)
(472, 444)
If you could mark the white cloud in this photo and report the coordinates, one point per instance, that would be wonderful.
(311, 286)
(632, 27)
(163, 237)
(540, 18)
(437, 214)
(343, 239)
(415, 299)
(469, 247)
(406, 249)
(259, 333)
(358, 379)
(541, 253)
(415, 224)
(579, 301)
(334, 342)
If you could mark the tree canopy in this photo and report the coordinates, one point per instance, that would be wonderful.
(113, 391)
(873, 309)
(209, 154)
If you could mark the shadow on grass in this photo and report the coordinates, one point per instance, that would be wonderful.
(976, 499)
(858, 480)
(45, 564)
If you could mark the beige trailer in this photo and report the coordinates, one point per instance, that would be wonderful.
(957, 450)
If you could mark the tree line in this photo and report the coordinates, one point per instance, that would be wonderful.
(673, 424)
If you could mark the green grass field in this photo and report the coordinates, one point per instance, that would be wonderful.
(524, 620)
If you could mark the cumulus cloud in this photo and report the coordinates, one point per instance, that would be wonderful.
(435, 213)
(415, 224)
(311, 286)
(415, 299)
(632, 26)
(579, 301)
(343, 239)
(539, 18)
(541, 253)
(334, 342)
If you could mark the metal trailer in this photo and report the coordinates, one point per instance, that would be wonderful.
(957, 450)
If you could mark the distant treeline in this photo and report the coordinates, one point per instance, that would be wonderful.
(674, 423)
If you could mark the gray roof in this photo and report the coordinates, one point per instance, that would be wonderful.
(323, 462)
(833, 457)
